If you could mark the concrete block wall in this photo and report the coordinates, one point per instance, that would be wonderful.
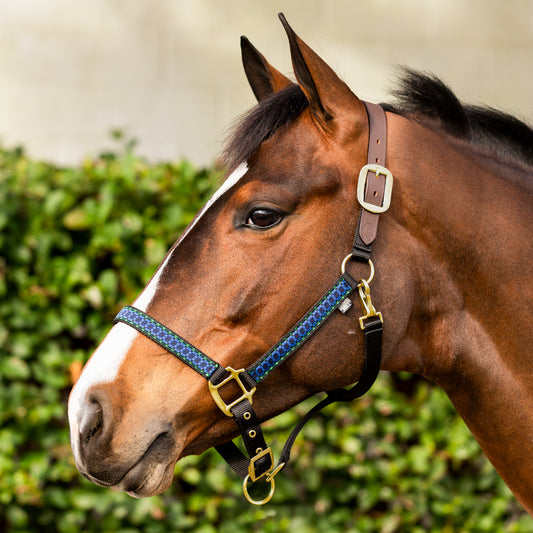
(168, 72)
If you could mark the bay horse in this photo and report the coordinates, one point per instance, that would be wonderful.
(450, 271)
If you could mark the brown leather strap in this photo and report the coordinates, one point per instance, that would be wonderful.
(375, 184)
(377, 137)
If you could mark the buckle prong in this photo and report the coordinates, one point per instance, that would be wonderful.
(260, 454)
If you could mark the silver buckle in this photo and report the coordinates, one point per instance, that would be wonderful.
(361, 186)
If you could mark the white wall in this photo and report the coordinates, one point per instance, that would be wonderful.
(168, 72)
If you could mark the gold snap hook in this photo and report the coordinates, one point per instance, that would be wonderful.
(275, 472)
(366, 304)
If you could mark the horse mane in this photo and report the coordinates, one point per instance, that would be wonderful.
(420, 95)
(425, 97)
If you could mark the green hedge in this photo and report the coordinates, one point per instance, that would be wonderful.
(78, 243)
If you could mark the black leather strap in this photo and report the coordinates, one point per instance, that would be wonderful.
(373, 341)
(234, 457)
(373, 335)
(254, 442)
(250, 428)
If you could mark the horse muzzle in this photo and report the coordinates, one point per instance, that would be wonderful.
(144, 464)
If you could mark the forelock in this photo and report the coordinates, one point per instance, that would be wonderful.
(261, 122)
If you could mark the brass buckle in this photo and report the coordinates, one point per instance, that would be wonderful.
(246, 394)
(268, 475)
(260, 454)
(361, 186)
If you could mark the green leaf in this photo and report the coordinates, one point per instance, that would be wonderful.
(13, 368)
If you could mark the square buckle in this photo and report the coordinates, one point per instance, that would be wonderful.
(361, 188)
(246, 394)
(251, 469)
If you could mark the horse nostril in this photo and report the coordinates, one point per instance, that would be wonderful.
(90, 421)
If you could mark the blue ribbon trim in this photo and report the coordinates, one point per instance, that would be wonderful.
(205, 366)
(167, 339)
(301, 332)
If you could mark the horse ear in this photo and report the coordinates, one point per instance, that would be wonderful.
(263, 77)
(328, 95)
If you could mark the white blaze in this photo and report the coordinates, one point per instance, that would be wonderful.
(104, 364)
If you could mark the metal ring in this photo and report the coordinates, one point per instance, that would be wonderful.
(348, 257)
(344, 261)
(258, 502)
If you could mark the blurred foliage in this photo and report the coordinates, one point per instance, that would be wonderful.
(76, 244)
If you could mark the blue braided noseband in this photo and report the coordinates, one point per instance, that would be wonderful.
(167, 339)
(206, 367)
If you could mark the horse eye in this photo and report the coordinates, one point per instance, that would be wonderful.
(263, 218)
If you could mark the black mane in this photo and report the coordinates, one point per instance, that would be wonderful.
(426, 96)
(420, 95)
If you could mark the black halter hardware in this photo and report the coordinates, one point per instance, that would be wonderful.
(374, 196)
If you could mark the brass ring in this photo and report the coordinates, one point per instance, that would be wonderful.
(258, 502)
(348, 257)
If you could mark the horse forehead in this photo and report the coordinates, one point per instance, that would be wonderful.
(232, 180)
(299, 154)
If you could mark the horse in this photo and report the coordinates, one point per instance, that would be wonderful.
(273, 256)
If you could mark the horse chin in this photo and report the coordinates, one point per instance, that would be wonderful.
(149, 473)
(143, 481)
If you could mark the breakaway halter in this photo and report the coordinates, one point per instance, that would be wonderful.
(374, 194)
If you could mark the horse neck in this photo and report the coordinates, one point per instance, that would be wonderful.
(473, 320)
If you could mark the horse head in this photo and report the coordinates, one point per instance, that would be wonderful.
(270, 243)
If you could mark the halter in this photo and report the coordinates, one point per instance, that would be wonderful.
(373, 194)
